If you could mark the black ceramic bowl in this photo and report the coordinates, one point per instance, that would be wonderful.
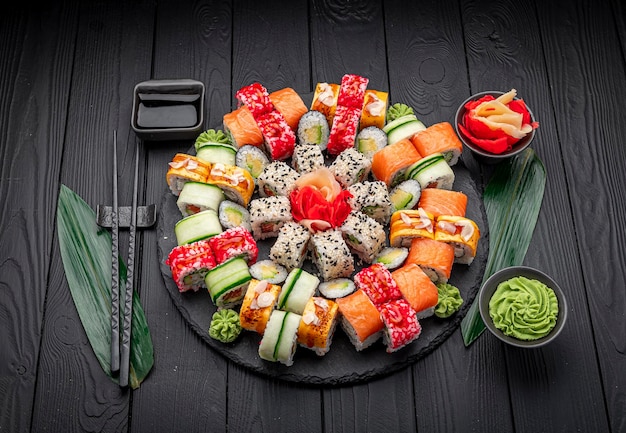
(489, 287)
(168, 109)
(480, 154)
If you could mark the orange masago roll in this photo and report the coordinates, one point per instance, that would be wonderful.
(438, 201)
(434, 257)
(439, 138)
(390, 163)
(417, 288)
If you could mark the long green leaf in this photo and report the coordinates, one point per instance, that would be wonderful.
(512, 200)
(86, 253)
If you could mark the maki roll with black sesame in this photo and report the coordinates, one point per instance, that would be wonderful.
(290, 248)
(371, 198)
(364, 236)
(306, 158)
(277, 179)
(331, 255)
(350, 167)
(199, 196)
(268, 214)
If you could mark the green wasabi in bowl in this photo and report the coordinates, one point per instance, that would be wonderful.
(524, 308)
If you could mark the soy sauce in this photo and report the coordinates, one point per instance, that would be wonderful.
(168, 110)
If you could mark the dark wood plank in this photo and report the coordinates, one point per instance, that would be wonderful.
(429, 72)
(503, 47)
(586, 79)
(36, 55)
(108, 54)
(270, 45)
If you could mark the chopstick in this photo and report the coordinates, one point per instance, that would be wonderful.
(130, 276)
(115, 270)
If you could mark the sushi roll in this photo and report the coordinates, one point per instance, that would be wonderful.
(280, 338)
(268, 214)
(214, 153)
(350, 167)
(291, 245)
(434, 257)
(198, 226)
(371, 198)
(257, 305)
(392, 257)
(306, 158)
(409, 224)
(298, 288)
(337, 288)
(189, 264)
(417, 288)
(241, 128)
(378, 284)
(405, 195)
(462, 233)
(198, 196)
(403, 128)
(401, 324)
(343, 130)
(352, 91)
(370, 140)
(317, 326)
(288, 103)
(391, 163)
(439, 138)
(278, 138)
(313, 129)
(360, 319)
(277, 178)
(235, 242)
(325, 100)
(252, 159)
(439, 202)
(331, 255)
(227, 282)
(186, 168)
(232, 214)
(432, 172)
(236, 182)
(268, 270)
(374, 110)
(256, 98)
(364, 235)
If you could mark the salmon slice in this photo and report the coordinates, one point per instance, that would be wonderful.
(242, 128)
(439, 138)
(417, 288)
(389, 164)
(439, 202)
(360, 319)
(290, 105)
(434, 257)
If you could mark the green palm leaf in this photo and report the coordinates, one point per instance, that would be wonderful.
(512, 200)
(86, 253)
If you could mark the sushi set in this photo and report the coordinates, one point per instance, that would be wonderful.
(331, 231)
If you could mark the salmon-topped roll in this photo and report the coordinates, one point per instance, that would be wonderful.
(360, 319)
(417, 288)
(390, 163)
(439, 138)
(439, 201)
(434, 257)
(290, 105)
(462, 233)
(241, 128)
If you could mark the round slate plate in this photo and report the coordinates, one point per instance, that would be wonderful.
(342, 364)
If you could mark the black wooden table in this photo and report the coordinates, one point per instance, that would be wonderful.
(67, 72)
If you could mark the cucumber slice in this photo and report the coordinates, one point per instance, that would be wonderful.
(279, 340)
(297, 290)
(201, 225)
(227, 281)
(423, 164)
(217, 153)
(398, 122)
(406, 130)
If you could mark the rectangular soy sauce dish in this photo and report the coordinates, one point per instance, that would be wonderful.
(168, 109)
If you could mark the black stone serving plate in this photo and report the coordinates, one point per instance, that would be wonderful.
(342, 364)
